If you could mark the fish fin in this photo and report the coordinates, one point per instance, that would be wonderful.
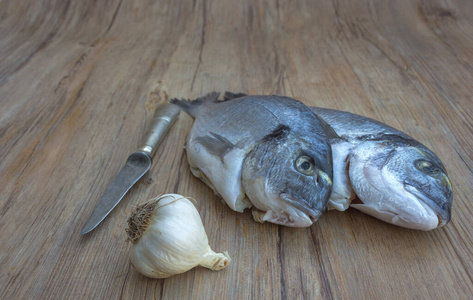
(190, 106)
(329, 131)
(380, 159)
(229, 96)
(216, 144)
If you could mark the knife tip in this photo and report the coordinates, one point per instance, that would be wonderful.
(86, 229)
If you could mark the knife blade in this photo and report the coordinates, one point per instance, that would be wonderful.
(137, 164)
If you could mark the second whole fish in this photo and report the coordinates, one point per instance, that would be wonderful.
(266, 152)
(395, 178)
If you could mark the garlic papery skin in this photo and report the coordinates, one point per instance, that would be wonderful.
(169, 238)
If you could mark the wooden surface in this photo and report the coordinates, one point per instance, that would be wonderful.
(79, 81)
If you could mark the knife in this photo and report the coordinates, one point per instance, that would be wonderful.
(137, 164)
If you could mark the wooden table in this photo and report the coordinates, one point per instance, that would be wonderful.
(79, 81)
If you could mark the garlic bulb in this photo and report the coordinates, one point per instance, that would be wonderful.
(169, 238)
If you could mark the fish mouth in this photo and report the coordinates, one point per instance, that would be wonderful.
(443, 216)
(409, 209)
(303, 207)
(407, 206)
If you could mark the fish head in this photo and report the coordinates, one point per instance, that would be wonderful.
(406, 185)
(287, 181)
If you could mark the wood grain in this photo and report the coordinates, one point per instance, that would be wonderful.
(79, 81)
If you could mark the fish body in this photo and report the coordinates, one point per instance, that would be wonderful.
(396, 178)
(261, 152)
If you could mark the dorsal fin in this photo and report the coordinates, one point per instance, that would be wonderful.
(229, 96)
(190, 106)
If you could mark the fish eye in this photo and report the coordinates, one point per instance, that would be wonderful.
(427, 168)
(305, 165)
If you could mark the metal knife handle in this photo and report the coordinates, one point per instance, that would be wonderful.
(164, 117)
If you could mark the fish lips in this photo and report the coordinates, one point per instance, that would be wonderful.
(302, 205)
(444, 214)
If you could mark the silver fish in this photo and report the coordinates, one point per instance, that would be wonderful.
(261, 151)
(396, 178)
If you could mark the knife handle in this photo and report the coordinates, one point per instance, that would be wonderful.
(164, 117)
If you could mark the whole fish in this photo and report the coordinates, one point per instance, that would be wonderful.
(268, 152)
(396, 178)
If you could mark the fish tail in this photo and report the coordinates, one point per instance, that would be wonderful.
(191, 106)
